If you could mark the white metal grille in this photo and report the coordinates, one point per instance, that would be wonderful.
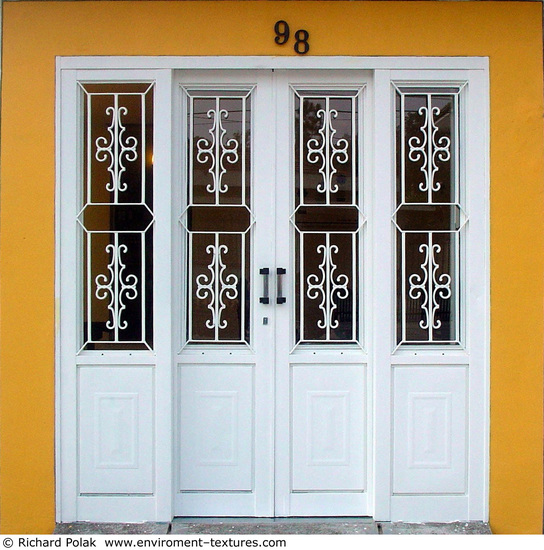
(327, 216)
(218, 219)
(429, 217)
(117, 216)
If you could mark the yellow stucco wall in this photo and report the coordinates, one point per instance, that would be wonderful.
(35, 32)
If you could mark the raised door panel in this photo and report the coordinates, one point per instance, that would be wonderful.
(216, 428)
(430, 430)
(328, 439)
(116, 430)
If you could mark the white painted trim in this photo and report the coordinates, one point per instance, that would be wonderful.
(162, 255)
(271, 62)
(478, 317)
(383, 291)
(66, 423)
(58, 201)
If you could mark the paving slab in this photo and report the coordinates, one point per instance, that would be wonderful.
(90, 528)
(291, 526)
(454, 528)
(274, 526)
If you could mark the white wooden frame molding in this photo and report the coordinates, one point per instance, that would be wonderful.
(391, 372)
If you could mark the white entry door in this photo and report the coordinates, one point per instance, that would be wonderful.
(273, 291)
(272, 375)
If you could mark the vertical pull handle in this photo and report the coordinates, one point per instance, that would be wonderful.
(280, 298)
(265, 272)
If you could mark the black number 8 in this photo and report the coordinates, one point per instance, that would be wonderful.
(301, 45)
(281, 28)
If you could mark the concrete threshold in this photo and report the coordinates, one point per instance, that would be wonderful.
(274, 526)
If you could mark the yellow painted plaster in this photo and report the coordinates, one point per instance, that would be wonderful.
(35, 32)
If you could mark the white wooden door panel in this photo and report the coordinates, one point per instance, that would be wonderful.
(226, 233)
(321, 363)
(430, 433)
(216, 428)
(116, 434)
(328, 440)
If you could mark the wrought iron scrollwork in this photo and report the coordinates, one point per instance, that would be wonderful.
(327, 286)
(327, 150)
(429, 148)
(116, 286)
(216, 286)
(117, 149)
(217, 151)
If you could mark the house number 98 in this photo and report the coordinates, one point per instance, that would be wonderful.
(302, 46)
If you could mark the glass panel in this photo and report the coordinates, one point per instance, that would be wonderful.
(327, 218)
(326, 147)
(428, 218)
(327, 274)
(218, 217)
(117, 216)
(429, 283)
(220, 146)
(219, 277)
(428, 149)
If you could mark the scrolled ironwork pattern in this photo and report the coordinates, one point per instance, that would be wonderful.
(217, 219)
(327, 286)
(429, 148)
(117, 149)
(430, 287)
(116, 286)
(327, 150)
(117, 216)
(216, 286)
(327, 216)
(217, 151)
(428, 216)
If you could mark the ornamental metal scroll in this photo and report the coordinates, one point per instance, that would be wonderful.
(327, 217)
(429, 217)
(217, 219)
(116, 217)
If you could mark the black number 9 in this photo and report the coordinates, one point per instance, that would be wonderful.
(281, 28)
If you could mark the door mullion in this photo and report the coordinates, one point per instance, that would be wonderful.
(284, 316)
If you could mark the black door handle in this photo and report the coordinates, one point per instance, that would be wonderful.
(265, 272)
(280, 298)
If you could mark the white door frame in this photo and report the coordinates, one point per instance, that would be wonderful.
(473, 357)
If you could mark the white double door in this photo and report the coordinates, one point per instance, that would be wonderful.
(272, 376)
